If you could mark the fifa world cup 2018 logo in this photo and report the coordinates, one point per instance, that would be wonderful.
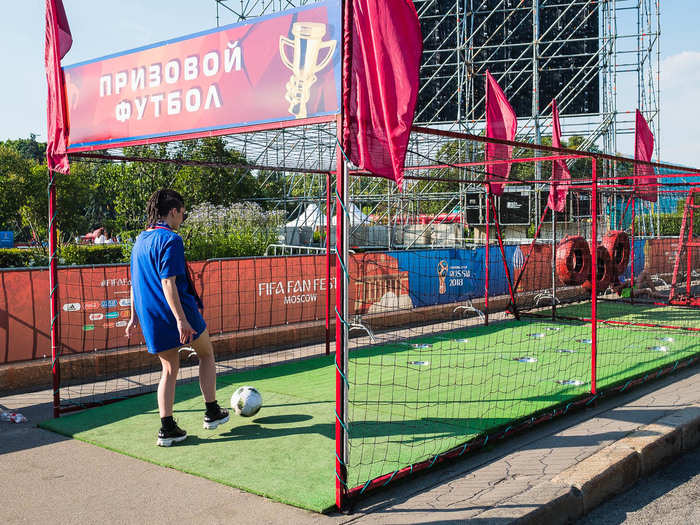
(442, 275)
(306, 45)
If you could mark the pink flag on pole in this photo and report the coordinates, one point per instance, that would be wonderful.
(58, 42)
(386, 50)
(645, 183)
(560, 172)
(501, 123)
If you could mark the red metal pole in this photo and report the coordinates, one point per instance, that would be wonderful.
(503, 250)
(634, 217)
(532, 244)
(688, 252)
(624, 213)
(328, 263)
(341, 452)
(53, 294)
(486, 257)
(594, 276)
(340, 467)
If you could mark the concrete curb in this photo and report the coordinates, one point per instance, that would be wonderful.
(610, 471)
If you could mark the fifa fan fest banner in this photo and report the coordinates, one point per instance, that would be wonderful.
(282, 67)
(264, 292)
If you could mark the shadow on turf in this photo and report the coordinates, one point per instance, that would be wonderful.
(281, 420)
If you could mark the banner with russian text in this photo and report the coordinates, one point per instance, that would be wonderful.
(283, 67)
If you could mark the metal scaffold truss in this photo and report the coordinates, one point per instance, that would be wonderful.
(598, 59)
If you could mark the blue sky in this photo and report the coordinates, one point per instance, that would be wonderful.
(101, 27)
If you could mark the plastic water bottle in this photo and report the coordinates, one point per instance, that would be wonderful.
(16, 417)
(13, 417)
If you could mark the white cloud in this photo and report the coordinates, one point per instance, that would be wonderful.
(679, 106)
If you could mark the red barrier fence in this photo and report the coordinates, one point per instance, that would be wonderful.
(239, 294)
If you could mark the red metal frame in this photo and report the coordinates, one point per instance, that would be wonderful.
(208, 133)
(342, 491)
(685, 240)
(328, 263)
(341, 476)
(532, 244)
(500, 245)
(481, 441)
(594, 278)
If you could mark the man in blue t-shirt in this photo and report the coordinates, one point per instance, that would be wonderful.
(166, 304)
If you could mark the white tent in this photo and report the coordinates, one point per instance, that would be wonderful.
(312, 217)
(356, 216)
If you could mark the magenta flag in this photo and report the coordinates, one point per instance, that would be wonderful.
(501, 123)
(560, 172)
(58, 42)
(645, 181)
(386, 50)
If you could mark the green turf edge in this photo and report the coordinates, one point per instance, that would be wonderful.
(46, 425)
(318, 362)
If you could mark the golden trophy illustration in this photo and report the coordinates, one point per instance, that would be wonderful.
(442, 274)
(307, 45)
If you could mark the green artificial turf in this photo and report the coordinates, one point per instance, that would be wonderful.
(407, 401)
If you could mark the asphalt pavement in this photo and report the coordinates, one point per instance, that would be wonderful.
(554, 473)
(670, 496)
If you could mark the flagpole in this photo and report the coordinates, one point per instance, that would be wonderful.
(486, 256)
(554, 265)
(53, 295)
(53, 268)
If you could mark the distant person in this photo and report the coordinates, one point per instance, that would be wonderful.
(169, 310)
(643, 287)
(108, 238)
(99, 236)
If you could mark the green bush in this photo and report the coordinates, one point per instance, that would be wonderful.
(19, 258)
(127, 236)
(239, 230)
(670, 224)
(531, 230)
(91, 254)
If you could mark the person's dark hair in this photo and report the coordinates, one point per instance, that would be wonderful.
(160, 204)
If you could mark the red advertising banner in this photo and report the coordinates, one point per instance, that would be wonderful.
(279, 68)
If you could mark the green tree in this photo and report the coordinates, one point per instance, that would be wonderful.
(14, 172)
(29, 148)
(213, 184)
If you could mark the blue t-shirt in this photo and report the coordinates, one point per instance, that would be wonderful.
(158, 254)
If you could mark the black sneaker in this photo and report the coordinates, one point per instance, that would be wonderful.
(166, 437)
(211, 421)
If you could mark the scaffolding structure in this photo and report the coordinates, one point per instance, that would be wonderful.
(599, 59)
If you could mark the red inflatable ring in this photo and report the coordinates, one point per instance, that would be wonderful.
(605, 271)
(573, 260)
(618, 245)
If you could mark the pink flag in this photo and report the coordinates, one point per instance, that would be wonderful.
(560, 172)
(58, 42)
(386, 50)
(645, 184)
(501, 123)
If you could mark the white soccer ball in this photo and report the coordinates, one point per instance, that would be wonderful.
(246, 401)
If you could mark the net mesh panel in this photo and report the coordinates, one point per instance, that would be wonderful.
(426, 373)
(260, 310)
